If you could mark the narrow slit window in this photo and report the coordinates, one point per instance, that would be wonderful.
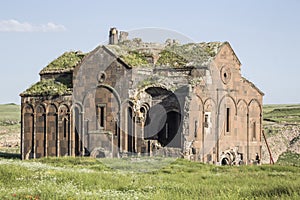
(206, 121)
(227, 120)
(101, 115)
(196, 128)
(116, 128)
(65, 128)
(254, 130)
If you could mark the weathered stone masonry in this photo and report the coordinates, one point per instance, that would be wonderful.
(135, 98)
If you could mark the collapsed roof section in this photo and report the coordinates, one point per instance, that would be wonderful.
(136, 53)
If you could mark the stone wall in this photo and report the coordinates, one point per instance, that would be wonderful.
(47, 127)
(234, 108)
(201, 110)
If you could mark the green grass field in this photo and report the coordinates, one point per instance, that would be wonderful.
(87, 178)
(282, 113)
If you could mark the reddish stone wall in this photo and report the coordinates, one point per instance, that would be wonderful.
(220, 112)
(228, 93)
(46, 127)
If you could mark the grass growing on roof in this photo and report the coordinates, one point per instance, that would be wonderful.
(169, 58)
(196, 53)
(47, 87)
(134, 58)
(66, 62)
(174, 55)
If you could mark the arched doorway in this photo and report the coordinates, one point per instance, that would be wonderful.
(164, 119)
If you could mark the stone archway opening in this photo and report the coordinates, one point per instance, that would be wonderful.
(164, 119)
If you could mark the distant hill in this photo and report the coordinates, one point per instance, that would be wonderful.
(10, 114)
(10, 117)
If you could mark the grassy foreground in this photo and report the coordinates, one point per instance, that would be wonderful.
(87, 178)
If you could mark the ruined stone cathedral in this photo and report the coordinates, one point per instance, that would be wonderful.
(135, 98)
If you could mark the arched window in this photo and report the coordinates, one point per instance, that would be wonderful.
(130, 136)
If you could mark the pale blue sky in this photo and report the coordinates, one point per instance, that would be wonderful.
(265, 35)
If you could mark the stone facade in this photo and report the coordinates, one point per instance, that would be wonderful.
(135, 98)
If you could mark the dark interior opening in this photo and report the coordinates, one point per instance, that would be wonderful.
(170, 134)
(227, 119)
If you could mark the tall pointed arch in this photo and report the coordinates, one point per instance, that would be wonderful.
(27, 131)
(196, 116)
(41, 132)
(255, 120)
(64, 132)
(242, 121)
(52, 130)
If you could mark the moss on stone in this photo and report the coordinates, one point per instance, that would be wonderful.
(197, 81)
(134, 58)
(47, 87)
(196, 53)
(210, 51)
(147, 82)
(170, 58)
(136, 53)
(66, 62)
